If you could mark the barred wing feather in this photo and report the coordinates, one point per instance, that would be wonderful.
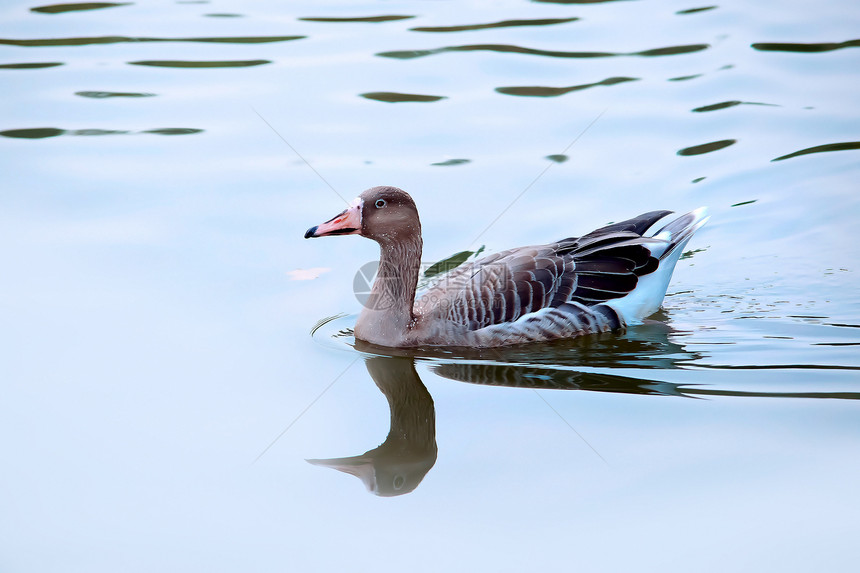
(603, 265)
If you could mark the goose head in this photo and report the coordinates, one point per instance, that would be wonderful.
(384, 214)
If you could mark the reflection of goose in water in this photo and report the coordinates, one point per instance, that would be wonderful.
(543, 378)
(398, 465)
(559, 365)
(409, 451)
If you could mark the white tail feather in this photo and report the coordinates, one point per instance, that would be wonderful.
(648, 295)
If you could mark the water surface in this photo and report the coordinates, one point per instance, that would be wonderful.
(162, 385)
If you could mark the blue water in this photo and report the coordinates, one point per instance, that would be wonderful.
(162, 388)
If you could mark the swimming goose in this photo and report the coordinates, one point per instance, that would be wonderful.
(612, 277)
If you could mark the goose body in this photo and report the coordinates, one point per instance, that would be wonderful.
(607, 279)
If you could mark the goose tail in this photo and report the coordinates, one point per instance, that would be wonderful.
(667, 248)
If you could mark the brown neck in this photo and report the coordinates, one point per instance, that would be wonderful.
(387, 315)
(393, 291)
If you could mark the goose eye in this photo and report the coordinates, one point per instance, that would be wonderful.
(380, 203)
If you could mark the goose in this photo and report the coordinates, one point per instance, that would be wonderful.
(605, 280)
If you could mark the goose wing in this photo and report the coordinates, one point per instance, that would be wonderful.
(503, 287)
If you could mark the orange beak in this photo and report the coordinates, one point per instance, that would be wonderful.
(346, 223)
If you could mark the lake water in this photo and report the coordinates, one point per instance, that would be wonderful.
(173, 351)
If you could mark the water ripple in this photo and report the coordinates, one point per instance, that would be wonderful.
(45, 132)
(395, 97)
(685, 78)
(508, 48)
(695, 10)
(30, 65)
(60, 8)
(544, 91)
(104, 95)
(562, 379)
(728, 104)
(89, 41)
(805, 48)
(200, 64)
(502, 24)
(370, 19)
(707, 147)
(845, 146)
